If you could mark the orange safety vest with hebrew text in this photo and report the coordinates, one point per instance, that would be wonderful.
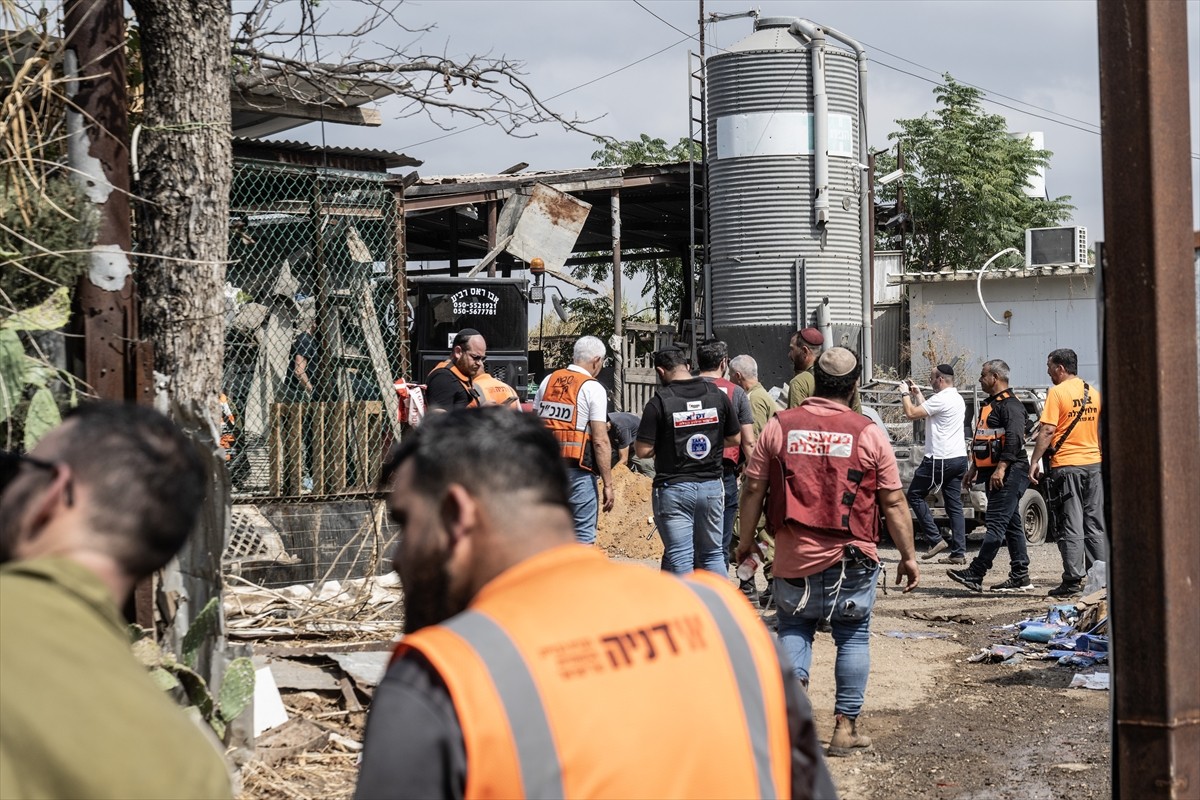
(559, 409)
(494, 392)
(654, 687)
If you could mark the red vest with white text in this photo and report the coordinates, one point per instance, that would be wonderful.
(819, 480)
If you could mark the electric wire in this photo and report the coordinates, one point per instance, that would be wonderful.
(597, 79)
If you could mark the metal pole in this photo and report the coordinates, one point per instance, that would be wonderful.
(97, 150)
(491, 234)
(1150, 451)
(615, 202)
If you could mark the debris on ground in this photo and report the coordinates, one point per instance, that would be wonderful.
(362, 607)
(961, 619)
(918, 635)
(1074, 635)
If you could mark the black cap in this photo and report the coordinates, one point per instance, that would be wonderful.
(946, 370)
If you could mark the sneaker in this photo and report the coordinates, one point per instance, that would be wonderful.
(935, 549)
(1066, 589)
(748, 589)
(1013, 585)
(766, 598)
(846, 740)
(953, 560)
(966, 578)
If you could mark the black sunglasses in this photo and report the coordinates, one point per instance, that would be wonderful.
(10, 467)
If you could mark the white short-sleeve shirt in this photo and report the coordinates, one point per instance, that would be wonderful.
(944, 433)
(593, 401)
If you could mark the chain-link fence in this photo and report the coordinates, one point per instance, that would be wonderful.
(314, 329)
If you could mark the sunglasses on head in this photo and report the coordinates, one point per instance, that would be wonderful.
(10, 468)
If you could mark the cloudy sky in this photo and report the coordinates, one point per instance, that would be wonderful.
(1036, 59)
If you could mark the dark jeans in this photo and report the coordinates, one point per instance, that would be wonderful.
(1081, 538)
(945, 474)
(1004, 523)
(730, 479)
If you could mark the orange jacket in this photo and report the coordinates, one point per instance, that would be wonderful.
(494, 392)
(559, 409)
(649, 686)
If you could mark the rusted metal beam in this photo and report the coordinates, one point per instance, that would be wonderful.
(1151, 458)
(97, 136)
(615, 206)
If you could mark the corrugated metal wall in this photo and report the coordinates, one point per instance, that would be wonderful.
(760, 206)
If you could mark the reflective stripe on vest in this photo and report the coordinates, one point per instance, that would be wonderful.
(744, 669)
(987, 443)
(541, 772)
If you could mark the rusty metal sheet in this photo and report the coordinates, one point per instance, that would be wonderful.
(547, 226)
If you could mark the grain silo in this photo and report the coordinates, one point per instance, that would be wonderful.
(788, 212)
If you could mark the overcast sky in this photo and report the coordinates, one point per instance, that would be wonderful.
(1037, 60)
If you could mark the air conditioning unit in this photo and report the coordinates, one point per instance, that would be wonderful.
(1055, 246)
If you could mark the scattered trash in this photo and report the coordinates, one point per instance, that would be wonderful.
(268, 705)
(1073, 767)
(1094, 680)
(918, 635)
(996, 653)
(1039, 633)
(961, 619)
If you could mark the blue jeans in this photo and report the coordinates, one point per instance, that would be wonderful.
(803, 602)
(1004, 524)
(730, 481)
(688, 516)
(585, 503)
(946, 474)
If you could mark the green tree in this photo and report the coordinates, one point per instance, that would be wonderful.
(664, 276)
(965, 183)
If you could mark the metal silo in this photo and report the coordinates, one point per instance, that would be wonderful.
(786, 198)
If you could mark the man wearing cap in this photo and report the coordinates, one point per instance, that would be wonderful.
(826, 474)
(803, 349)
(450, 384)
(945, 461)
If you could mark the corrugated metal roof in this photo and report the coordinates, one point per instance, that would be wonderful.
(390, 159)
(1049, 270)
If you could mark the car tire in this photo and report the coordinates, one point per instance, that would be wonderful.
(1035, 518)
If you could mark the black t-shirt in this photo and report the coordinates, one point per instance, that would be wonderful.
(444, 390)
(1008, 413)
(656, 428)
(305, 346)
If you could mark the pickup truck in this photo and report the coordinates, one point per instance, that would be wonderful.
(908, 443)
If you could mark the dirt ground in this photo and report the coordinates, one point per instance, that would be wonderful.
(942, 727)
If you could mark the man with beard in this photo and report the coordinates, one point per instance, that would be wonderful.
(504, 687)
(102, 502)
(451, 383)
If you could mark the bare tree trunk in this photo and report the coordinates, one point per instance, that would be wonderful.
(183, 176)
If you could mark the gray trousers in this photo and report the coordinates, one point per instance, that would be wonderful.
(1081, 536)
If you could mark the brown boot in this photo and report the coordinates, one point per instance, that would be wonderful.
(846, 740)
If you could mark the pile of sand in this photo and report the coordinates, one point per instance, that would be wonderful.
(628, 530)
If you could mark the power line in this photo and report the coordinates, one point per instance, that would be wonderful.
(981, 88)
(556, 96)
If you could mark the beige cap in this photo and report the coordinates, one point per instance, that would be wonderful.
(837, 361)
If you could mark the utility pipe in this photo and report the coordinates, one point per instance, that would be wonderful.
(816, 51)
(866, 206)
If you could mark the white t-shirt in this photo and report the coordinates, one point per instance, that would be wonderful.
(593, 400)
(944, 437)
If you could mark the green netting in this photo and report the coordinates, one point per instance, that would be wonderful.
(314, 329)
